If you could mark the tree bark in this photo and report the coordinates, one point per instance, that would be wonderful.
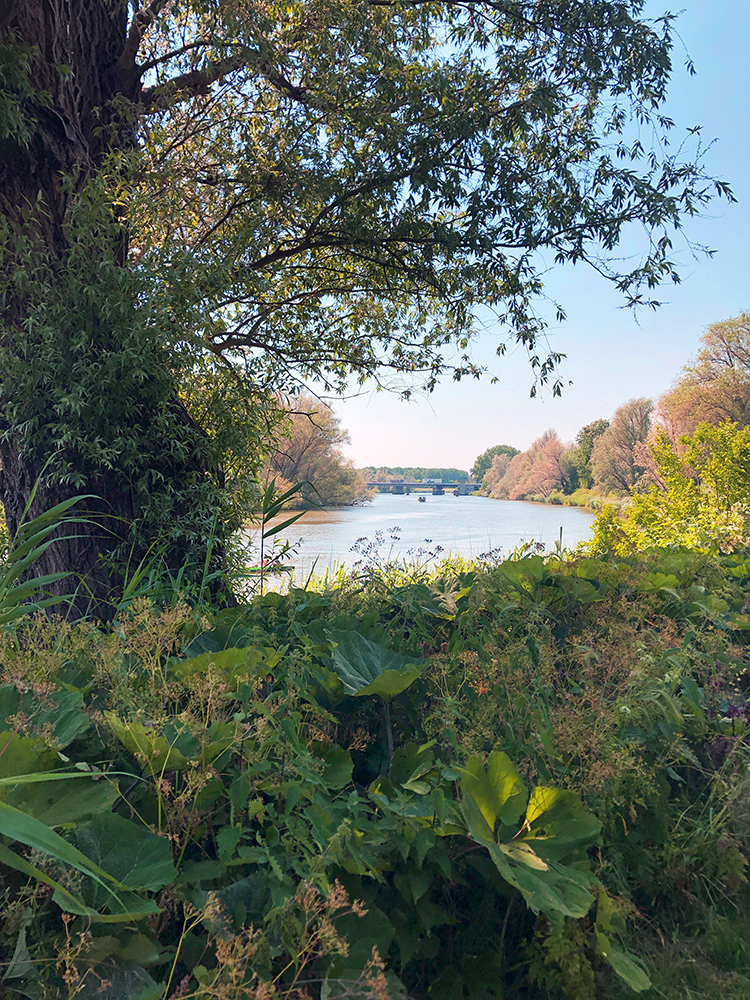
(72, 101)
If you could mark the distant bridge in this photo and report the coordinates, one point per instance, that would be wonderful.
(437, 489)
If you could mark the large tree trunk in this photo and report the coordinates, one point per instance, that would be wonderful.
(87, 403)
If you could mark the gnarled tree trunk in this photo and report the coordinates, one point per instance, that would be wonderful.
(87, 401)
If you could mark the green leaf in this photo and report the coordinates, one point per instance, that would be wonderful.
(558, 824)
(128, 853)
(61, 713)
(497, 792)
(374, 928)
(22, 755)
(546, 886)
(338, 767)
(627, 967)
(20, 964)
(62, 802)
(62, 896)
(29, 831)
(366, 668)
(248, 663)
(157, 753)
(284, 524)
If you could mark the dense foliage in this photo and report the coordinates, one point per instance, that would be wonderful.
(671, 460)
(250, 195)
(308, 453)
(485, 461)
(701, 498)
(715, 387)
(460, 784)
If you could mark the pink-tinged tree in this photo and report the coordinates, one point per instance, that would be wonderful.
(715, 387)
(308, 452)
(541, 470)
(620, 458)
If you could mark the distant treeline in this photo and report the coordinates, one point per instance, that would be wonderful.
(391, 473)
(626, 455)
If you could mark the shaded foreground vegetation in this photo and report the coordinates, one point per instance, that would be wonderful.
(524, 779)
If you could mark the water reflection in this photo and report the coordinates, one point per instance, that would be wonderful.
(465, 526)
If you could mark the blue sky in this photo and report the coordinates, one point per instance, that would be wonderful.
(612, 356)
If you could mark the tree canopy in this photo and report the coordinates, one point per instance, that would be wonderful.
(289, 191)
(584, 445)
(541, 470)
(715, 387)
(308, 453)
(484, 461)
(702, 498)
(620, 457)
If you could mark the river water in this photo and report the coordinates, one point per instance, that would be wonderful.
(467, 526)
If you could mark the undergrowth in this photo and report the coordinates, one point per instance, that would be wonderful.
(520, 778)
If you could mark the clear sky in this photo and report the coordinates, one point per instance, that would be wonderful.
(612, 356)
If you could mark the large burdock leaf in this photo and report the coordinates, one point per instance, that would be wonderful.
(528, 854)
(558, 824)
(497, 793)
(247, 663)
(367, 668)
(132, 855)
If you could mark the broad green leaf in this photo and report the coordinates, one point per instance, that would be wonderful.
(248, 663)
(131, 855)
(557, 824)
(374, 928)
(338, 767)
(62, 802)
(115, 982)
(23, 755)
(248, 896)
(626, 966)
(127, 908)
(653, 582)
(522, 854)
(62, 896)
(30, 831)
(157, 753)
(497, 791)
(554, 888)
(366, 668)
(609, 920)
(61, 713)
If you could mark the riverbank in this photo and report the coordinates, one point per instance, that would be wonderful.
(583, 499)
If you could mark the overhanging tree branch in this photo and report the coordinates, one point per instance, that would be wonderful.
(187, 85)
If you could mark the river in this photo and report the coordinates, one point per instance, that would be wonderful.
(467, 526)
